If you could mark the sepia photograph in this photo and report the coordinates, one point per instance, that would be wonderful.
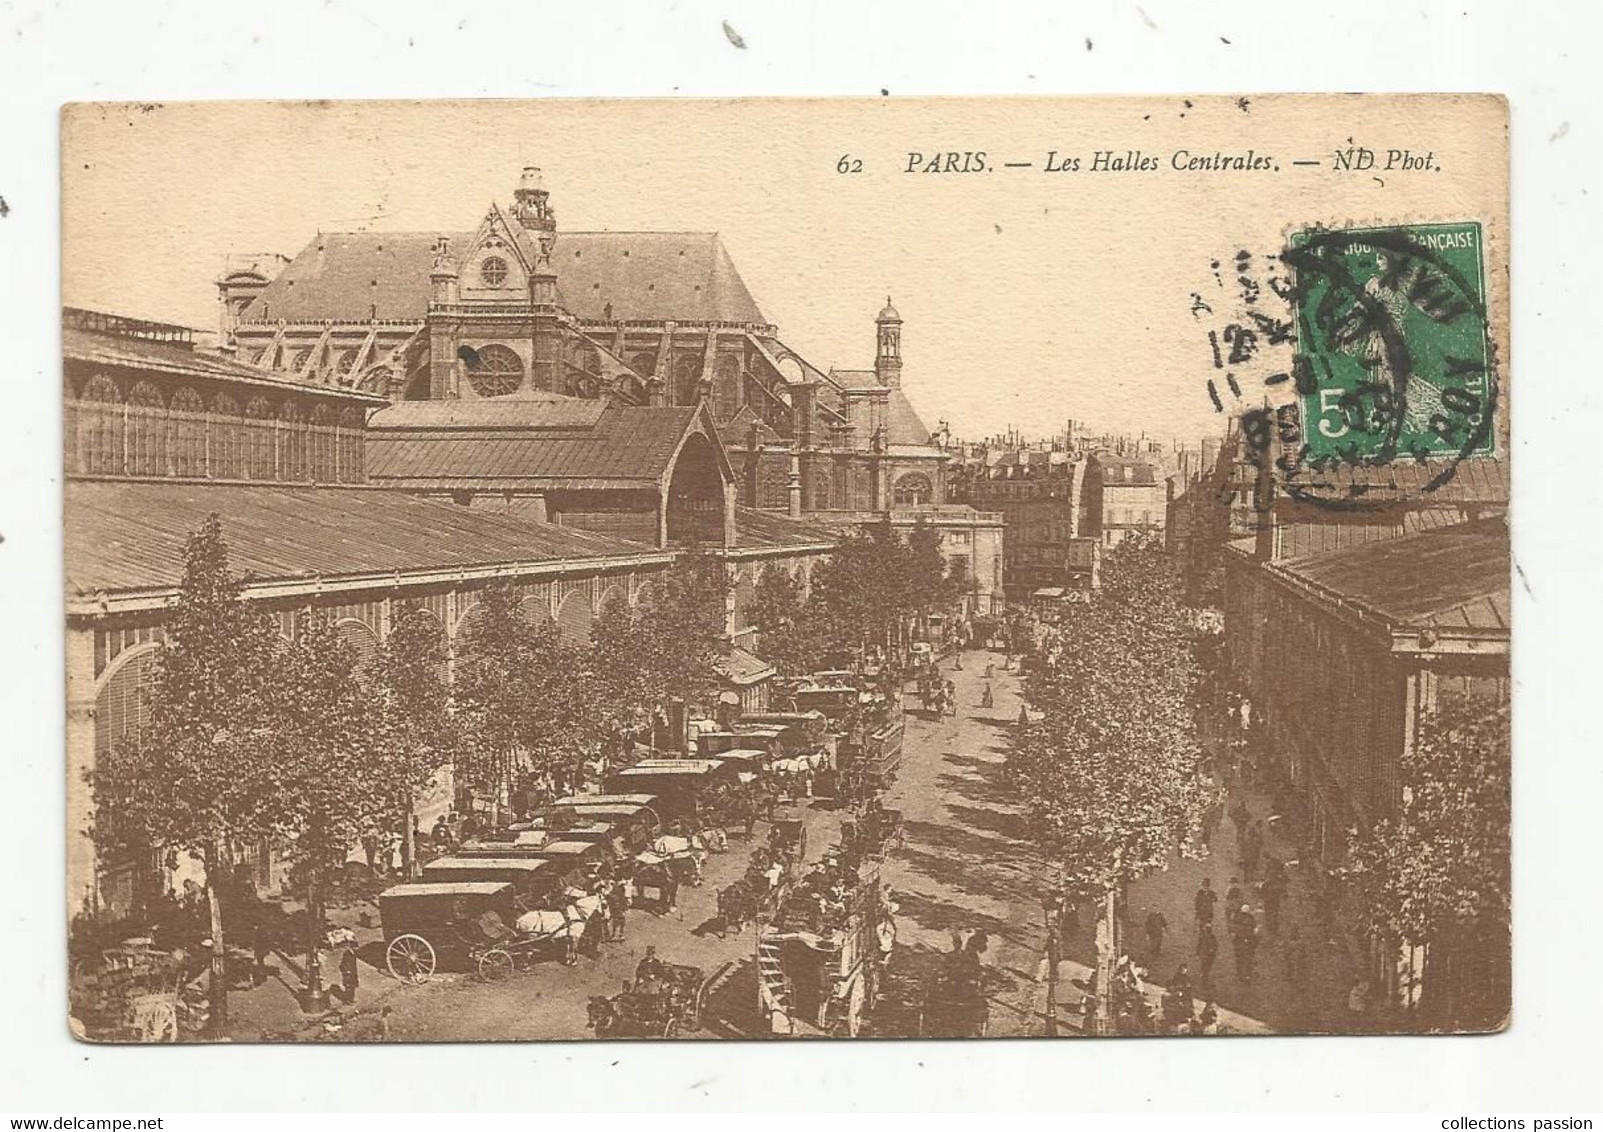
(765, 569)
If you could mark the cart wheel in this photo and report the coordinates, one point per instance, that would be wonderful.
(410, 958)
(671, 1030)
(495, 964)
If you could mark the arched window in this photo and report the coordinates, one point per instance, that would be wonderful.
(726, 388)
(493, 370)
(101, 436)
(644, 363)
(362, 642)
(123, 705)
(913, 490)
(322, 442)
(347, 359)
(147, 431)
(573, 619)
(186, 433)
(261, 440)
(350, 446)
(821, 489)
(300, 360)
(292, 463)
(686, 377)
(773, 487)
(227, 439)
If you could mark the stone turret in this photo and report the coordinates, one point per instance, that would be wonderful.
(888, 355)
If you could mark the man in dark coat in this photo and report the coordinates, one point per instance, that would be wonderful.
(1207, 952)
(1204, 901)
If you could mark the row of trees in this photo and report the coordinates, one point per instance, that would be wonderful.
(254, 738)
(1112, 767)
(874, 589)
(1437, 874)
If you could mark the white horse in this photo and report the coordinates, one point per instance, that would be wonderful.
(563, 926)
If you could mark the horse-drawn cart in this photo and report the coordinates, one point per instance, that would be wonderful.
(430, 925)
(662, 1005)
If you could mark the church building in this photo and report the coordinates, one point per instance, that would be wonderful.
(625, 382)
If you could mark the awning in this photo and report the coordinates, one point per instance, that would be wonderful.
(742, 668)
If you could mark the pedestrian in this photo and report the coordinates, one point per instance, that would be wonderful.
(1207, 952)
(594, 928)
(261, 947)
(1203, 902)
(618, 910)
(1246, 942)
(1181, 983)
(951, 698)
(1234, 899)
(1156, 923)
(1241, 818)
(987, 700)
(384, 1024)
(349, 975)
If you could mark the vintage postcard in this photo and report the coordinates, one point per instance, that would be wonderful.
(872, 568)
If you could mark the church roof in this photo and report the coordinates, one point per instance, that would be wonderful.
(129, 535)
(646, 276)
(902, 423)
(522, 444)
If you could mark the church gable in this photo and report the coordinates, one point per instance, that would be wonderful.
(496, 265)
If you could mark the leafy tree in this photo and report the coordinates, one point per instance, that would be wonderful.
(931, 587)
(492, 684)
(680, 631)
(1438, 873)
(621, 700)
(1112, 772)
(860, 593)
(336, 776)
(526, 701)
(560, 721)
(788, 633)
(195, 779)
(414, 709)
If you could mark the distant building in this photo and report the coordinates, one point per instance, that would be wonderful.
(1123, 496)
(1038, 493)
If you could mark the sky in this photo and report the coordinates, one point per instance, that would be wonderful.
(1028, 296)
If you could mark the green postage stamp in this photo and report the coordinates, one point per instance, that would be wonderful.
(1394, 356)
